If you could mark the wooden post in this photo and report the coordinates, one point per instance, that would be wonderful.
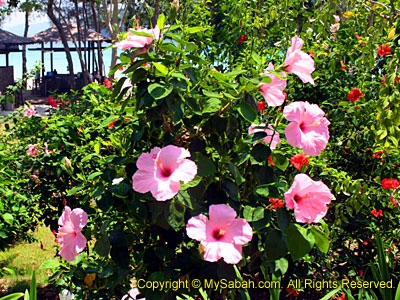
(43, 61)
(51, 57)
(88, 53)
(7, 52)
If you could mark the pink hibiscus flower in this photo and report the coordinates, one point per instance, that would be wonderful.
(308, 128)
(3, 2)
(222, 236)
(29, 111)
(138, 41)
(161, 171)
(273, 92)
(299, 62)
(69, 234)
(272, 137)
(32, 150)
(308, 198)
(132, 295)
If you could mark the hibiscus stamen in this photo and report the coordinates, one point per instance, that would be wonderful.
(166, 172)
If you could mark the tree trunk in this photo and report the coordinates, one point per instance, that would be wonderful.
(97, 26)
(156, 13)
(57, 23)
(24, 68)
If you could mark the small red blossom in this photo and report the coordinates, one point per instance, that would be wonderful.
(390, 183)
(343, 297)
(80, 130)
(121, 68)
(377, 213)
(276, 203)
(285, 97)
(358, 36)
(393, 200)
(293, 292)
(365, 243)
(146, 65)
(261, 105)
(383, 50)
(343, 67)
(298, 160)
(354, 95)
(107, 83)
(242, 39)
(271, 161)
(311, 53)
(360, 272)
(377, 154)
(397, 79)
(111, 125)
(52, 102)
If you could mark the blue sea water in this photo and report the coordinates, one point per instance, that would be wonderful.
(59, 60)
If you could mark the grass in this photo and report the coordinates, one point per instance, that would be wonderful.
(25, 257)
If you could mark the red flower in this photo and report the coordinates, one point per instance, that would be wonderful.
(377, 154)
(242, 39)
(271, 161)
(111, 125)
(52, 102)
(261, 105)
(80, 130)
(354, 95)
(390, 183)
(285, 97)
(397, 79)
(365, 243)
(383, 50)
(343, 297)
(393, 200)
(107, 83)
(276, 203)
(360, 272)
(293, 292)
(298, 160)
(311, 53)
(146, 65)
(121, 68)
(343, 67)
(377, 213)
(358, 37)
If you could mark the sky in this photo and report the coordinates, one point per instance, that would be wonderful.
(15, 23)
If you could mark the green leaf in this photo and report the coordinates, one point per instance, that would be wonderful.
(260, 152)
(50, 264)
(14, 296)
(205, 166)
(212, 105)
(195, 29)
(170, 47)
(321, 240)
(275, 246)
(140, 33)
(211, 94)
(161, 21)
(75, 189)
(263, 191)
(107, 121)
(33, 292)
(158, 91)
(235, 73)
(235, 173)
(280, 161)
(299, 242)
(8, 218)
(161, 68)
(247, 112)
(94, 175)
(102, 246)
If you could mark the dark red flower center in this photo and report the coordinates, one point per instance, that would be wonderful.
(166, 172)
(296, 198)
(218, 234)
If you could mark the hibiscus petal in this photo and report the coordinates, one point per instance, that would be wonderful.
(165, 190)
(80, 242)
(185, 172)
(65, 216)
(212, 252)
(294, 135)
(232, 254)
(196, 227)
(294, 111)
(79, 218)
(221, 214)
(143, 181)
(68, 251)
(240, 232)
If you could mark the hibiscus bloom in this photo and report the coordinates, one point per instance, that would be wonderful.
(299, 62)
(272, 137)
(273, 92)
(390, 183)
(335, 27)
(29, 111)
(46, 149)
(354, 95)
(221, 235)
(337, 18)
(69, 234)
(161, 171)
(275, 202)
(32, 150)
(308, 198)
(308, 128)
(52, 102)
(383, 50)
(138, 41)
(298, 160)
